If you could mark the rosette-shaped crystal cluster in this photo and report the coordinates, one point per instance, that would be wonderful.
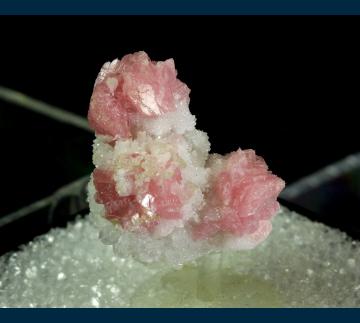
(156, 192)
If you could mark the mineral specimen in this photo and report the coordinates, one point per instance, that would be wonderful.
(161, 192)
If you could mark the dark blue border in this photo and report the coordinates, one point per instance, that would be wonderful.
(180, 315)
(185, 7)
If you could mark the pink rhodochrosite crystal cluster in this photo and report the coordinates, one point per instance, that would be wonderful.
(156, 191)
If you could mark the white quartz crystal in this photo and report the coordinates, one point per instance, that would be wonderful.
(302, 264)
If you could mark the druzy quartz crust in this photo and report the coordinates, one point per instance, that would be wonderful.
(156, 191)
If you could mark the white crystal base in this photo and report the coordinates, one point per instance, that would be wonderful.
(302, 264)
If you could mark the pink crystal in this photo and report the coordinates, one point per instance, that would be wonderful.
(118, 208)
(154, 173)
(242, 196)
(131, 89)
(167, 196)
(156, 198)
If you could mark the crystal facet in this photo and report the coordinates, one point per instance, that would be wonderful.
(154, 176)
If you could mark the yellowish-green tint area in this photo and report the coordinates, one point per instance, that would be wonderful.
(222, 287)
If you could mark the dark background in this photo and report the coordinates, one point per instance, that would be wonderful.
(285, 86)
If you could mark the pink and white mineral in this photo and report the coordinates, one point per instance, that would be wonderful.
(156, 192)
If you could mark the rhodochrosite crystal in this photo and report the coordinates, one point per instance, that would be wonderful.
(156, 191)
(132, 90)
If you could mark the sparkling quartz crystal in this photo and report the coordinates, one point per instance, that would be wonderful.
(156, 191)
(301, 264)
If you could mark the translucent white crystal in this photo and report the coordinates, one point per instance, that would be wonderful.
(302, 264)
